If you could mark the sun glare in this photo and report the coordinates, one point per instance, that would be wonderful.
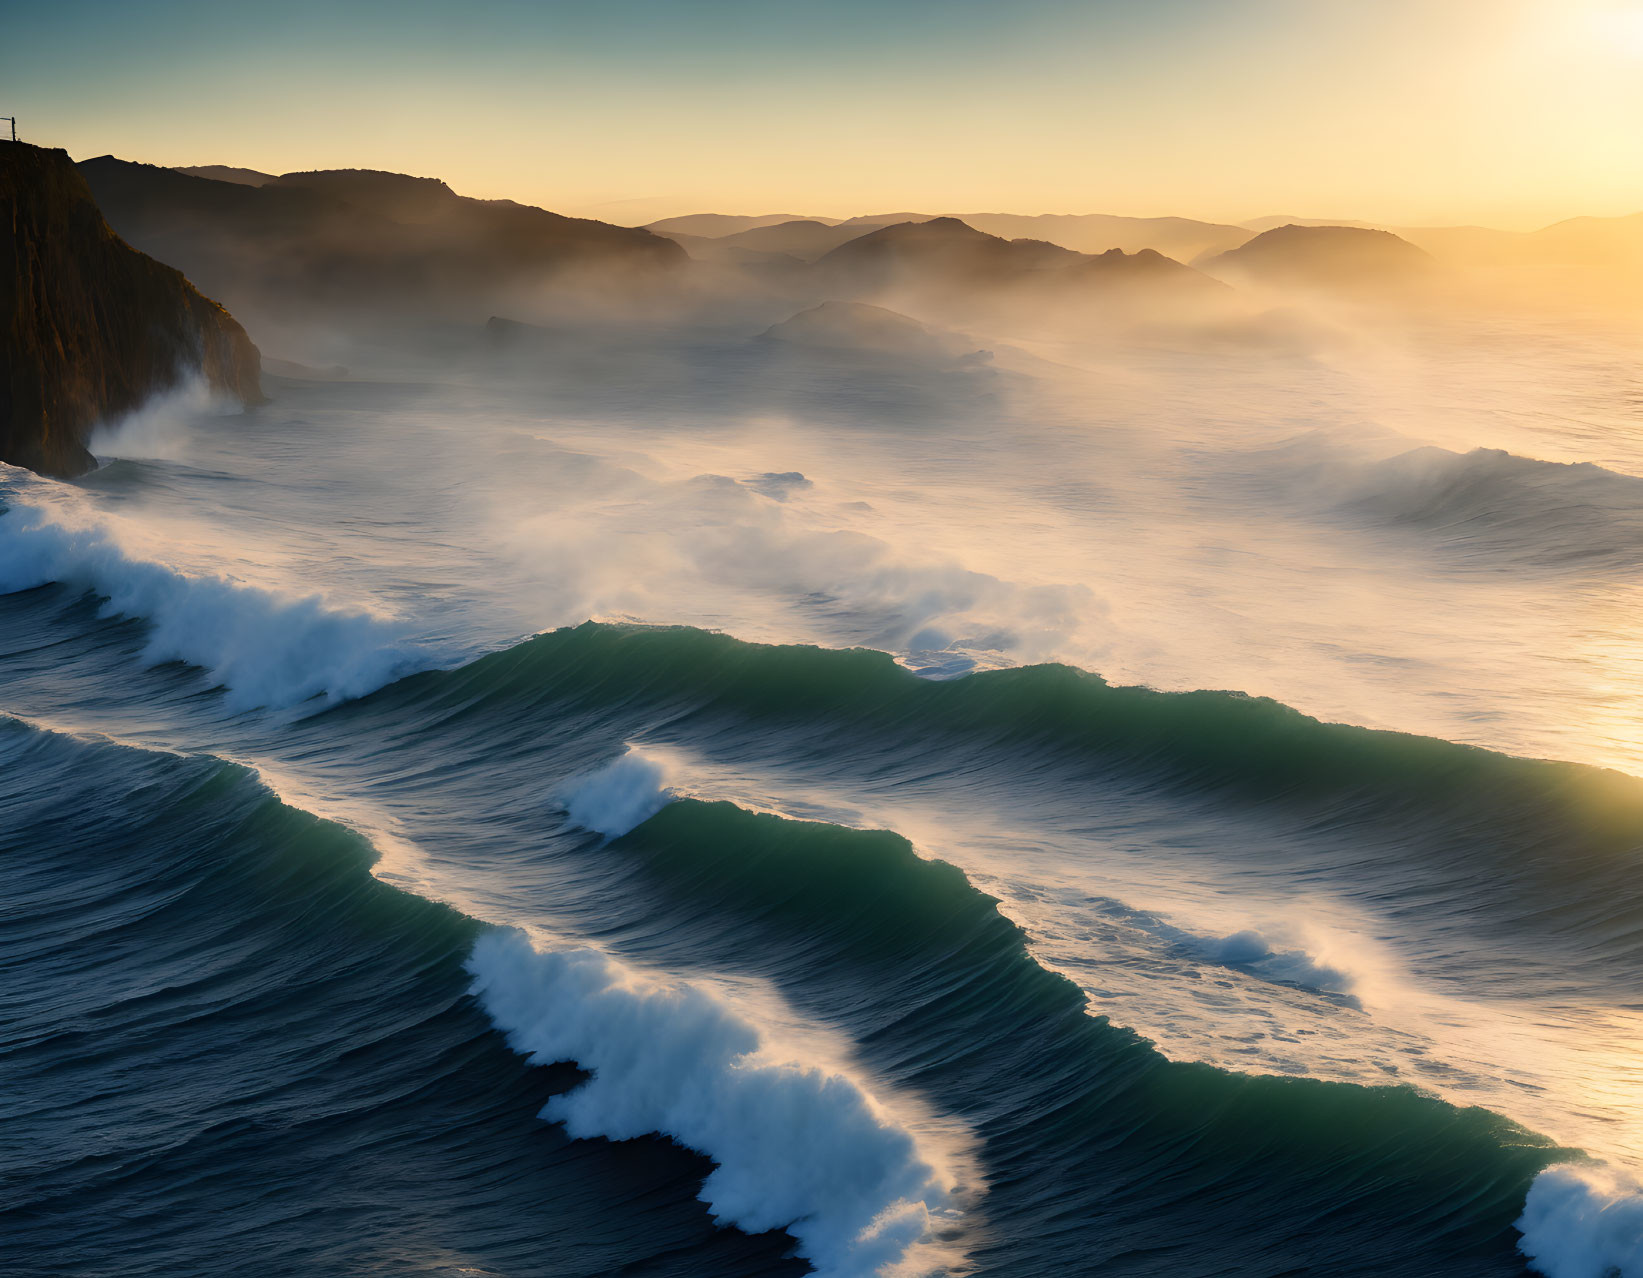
(1618, 29)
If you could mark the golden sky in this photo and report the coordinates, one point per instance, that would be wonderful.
(1504, 112)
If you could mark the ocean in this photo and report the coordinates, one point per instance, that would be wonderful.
(662, 806)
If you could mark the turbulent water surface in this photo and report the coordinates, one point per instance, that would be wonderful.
(689, 808)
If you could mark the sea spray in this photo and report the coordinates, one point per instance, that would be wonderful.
(797, 1147)
(615, 798)
(1583, 1221)
(159, 429)
(264, 647)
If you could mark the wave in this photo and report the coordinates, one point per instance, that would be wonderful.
(1460, 899)
(670, 1058)
(1272, 958)
(1486, 506)
(1427, 1174)
(1253, 749)
(262, 646)
(613, 799)
(1583, 1222)
(666, 1057)
(943, 991)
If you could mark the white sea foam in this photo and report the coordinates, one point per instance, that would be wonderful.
(797, 1147)
(1583, 1221)
(620, 795)
(264, 647)
(1264, 953)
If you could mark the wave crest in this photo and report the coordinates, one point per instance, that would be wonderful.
(264, 647)
(1583, 1221)
(615, 798)
(798, 1147)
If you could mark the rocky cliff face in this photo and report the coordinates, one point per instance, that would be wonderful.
(90, 327)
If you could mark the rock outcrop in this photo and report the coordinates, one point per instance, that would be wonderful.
(89, 327)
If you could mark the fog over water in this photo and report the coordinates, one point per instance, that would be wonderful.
(1432, 531)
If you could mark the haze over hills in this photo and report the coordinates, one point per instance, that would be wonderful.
(374, 248)
(1178, 237)
(945, 265)
(941, 248)
(283, 250)
(1573, 244)
(806, 239)
(354, 241)
(866, 329)
(1324, 257)
(1274, 221)
(715, 225)
(1581, 255)
(1581, 243)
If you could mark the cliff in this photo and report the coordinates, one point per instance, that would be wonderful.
(90, 327)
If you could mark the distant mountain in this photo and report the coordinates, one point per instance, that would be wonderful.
(864, 329)
(1181, 238)
(1325, 257)
(355, 239)
(806, 239)
(1581, 243)
(942, 248)
(946, 257)
(1178, 237)
(1592, 238)
(89, 327)
(714, 225)
(1273, 222)
(727, 251)
(228, 173)
(945, 269)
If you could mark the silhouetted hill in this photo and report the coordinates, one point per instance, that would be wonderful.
(1179, 237)
(1325, 257)
(227, 173)
(1274, 221)
(805, 239)
(1581, 261)
(1182, 238)
(1591, 241)
(944, 248)
(726, 251)
(355, 240)
(1144, 268)
(716, 225)
(858, 327)
(92, 327)
(945, 262)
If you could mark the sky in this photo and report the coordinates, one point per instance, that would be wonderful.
(1508, 113)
